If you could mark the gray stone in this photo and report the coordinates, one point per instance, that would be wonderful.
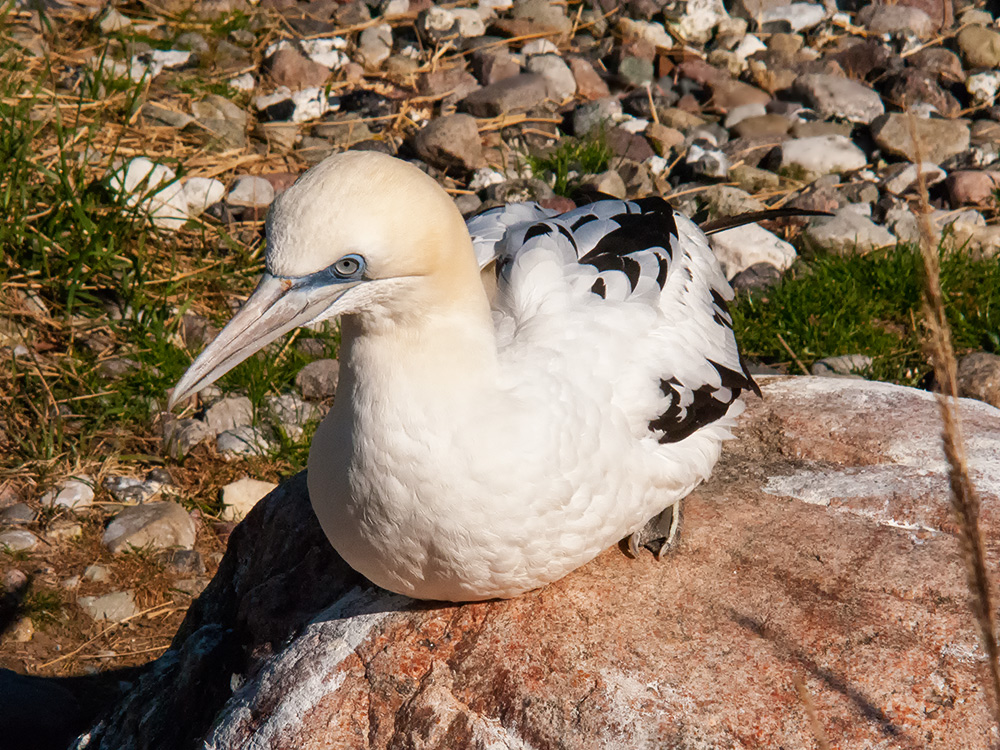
(117, 606)
(844, 365)
(235, 411)
(757, 278)
(515, 94)
(451, 141)
(291, 413)
(129, 489)
(799, 16)
(155, 525)
(245, 440)
(740, 248)
(893, 19)
(182, 561)
(608, 183)
(375, 45)
(980, 47)
(18, 540)
(239, 497)
(543, 15)
(561, 84)
(166, 116)
(192, 40)
(937, 139)
(222, 118)
(979, 377)
(181, 435)
(899, 178)
(822, 154)
(318, 380)
(250, 191)
(847, 232)
(836, 96)
(343, 131)
(636, 71)
(62, 530)
(73, 494)
(96, 573)
(18, 513)
(113, 21)
(594, 115)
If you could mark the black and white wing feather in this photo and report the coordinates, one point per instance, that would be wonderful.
(637, 281)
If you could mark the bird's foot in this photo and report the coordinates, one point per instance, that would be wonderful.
(660, 535)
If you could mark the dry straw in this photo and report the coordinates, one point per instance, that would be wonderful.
(964, 500)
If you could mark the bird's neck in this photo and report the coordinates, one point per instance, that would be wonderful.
(439, 348)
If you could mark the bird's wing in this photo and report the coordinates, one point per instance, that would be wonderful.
(635, 285)
(489, 228)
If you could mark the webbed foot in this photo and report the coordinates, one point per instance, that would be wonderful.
(660, 535)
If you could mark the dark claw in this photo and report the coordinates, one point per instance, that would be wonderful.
(660, 535)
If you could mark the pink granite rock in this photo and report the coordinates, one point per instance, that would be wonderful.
(822, 550)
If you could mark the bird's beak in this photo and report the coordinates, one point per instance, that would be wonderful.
(276, 306)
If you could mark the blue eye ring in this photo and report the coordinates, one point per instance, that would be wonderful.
(349, 267)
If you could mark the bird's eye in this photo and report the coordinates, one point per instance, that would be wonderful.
(348, 267)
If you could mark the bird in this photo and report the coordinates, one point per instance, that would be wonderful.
(517, 393)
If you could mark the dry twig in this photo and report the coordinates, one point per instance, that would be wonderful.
(964, 499)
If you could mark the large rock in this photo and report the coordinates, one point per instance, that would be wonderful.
(935, 141)
(822, 550)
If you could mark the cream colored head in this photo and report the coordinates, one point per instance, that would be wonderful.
(405, 240)
(383, 209)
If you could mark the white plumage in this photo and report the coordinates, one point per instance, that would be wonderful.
(475, 451)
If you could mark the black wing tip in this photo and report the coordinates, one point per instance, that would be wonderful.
(731, 222)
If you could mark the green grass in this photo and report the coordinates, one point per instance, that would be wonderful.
(870, 304)
(584, 157)
(42, 605)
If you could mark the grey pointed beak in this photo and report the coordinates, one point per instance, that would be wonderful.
(276, 306)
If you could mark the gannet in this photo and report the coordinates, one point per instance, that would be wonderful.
(478, 450)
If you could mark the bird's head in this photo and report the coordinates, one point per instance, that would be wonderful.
(360, 233)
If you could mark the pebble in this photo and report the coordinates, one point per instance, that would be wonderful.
(202, 192)
(18, 540)
(181, 435)
(18, 513)
(228, 413)
(972, 187)
(799, 16)
(62, 530)
(250, 191)
(22, 632)
(131, 490)
(900, 178)
(451, 141)
(291, 413)
(245, 440)
(289, 67)
(182, 561)
(239, 497)
(589, 83)
(744, 247)
(156, 525)
(73, 494)
(636, 71)
(979, 377)
(835, 96)
(896, 19)
(318, 380)
(375, 45)
(559, 79)
(822, 154)
(328, 52)
(113, 21)
(117, 606)
(515, 94)
(938, 139)
(139, 179)
(980, 47)
(699, 18)
(983, 87)
(96, 573)
(846, 233)
(757, 278)
(223, 119)
(846, 364)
